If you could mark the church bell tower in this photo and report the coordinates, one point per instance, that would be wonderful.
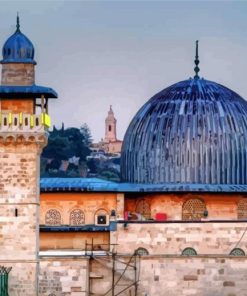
(110, 127)
(24, 121)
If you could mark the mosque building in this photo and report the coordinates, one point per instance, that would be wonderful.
(175, 225)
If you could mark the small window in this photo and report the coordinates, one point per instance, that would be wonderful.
(26, 121)
(141, 252)
(37, 121)
(101, 217)
(237, 252)
(109, 128)
(15, 122)
(189, 252)
(5, 122)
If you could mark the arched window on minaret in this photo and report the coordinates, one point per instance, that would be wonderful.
(110, 127)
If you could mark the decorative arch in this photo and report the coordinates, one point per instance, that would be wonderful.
(189, 252)
(143, 208)
(53, 217)
(77, 217)
(237, 252)
(193, 209)
(242, 209)
(141, 252)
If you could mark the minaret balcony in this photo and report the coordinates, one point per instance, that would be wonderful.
(24, 123)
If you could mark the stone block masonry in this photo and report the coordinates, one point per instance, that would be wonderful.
(177, 276)
(19, 214)
(64, 276)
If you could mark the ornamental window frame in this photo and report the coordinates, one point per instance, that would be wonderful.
(189, 252)
(242, 209)
(141, 251)
(143, 208)
(237, 252)
(56, 220)
(194, 209)
(81, 219)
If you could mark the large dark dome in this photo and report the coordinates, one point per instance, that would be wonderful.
(194, 131)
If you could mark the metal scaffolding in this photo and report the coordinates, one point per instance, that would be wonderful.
(124, 270)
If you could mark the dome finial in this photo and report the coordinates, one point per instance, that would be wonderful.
(196, 69)
(17, 23)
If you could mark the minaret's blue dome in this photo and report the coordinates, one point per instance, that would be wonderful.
(18, 48)
(194, 131)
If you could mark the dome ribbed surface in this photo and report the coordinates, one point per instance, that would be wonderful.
(194, 131)
(18, 49)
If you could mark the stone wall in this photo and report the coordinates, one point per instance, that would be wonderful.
(174, 275)
(18, 74)
(193, 276)
(19, 221)
(173, 238)
(67, 276)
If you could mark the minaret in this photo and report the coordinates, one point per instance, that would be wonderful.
(24, 121)
(110, 127)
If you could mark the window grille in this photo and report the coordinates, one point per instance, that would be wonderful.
(53, 217)
(189, 252)
(77, 217)
(242, 209)
(237, 252)
(143, 208)
(193, 209)
(141, 252)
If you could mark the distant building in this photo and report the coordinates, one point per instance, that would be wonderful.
(110, 144)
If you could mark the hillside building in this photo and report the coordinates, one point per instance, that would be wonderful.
(110, 144)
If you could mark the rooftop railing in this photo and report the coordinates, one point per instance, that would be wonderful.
(23, 122)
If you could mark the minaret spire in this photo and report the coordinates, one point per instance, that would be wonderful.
(196, 69)
(17, 23)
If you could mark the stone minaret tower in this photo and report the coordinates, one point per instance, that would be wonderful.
(110, 127)
(23, 134)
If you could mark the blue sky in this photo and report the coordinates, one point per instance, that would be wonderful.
(97, 53)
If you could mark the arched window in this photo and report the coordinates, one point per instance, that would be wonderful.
(53, 217)
(242, 209)
(141, 252)
(109, 128)
(189, 252)
(237, 252)
(77, 217)
(194, 209)
(143, 208)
